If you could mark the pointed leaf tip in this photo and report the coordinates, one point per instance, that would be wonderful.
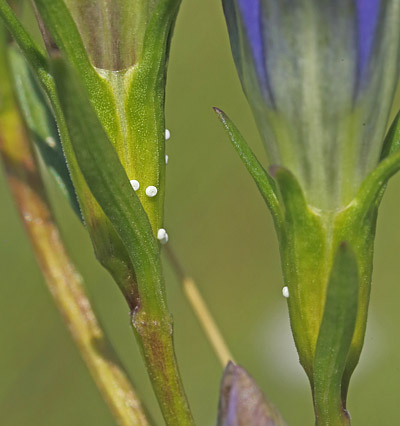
(263, 181)
(218, 111)
(242, 403)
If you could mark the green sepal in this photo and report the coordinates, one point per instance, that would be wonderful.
(265, 184)
(303, 234)
(42, 125)
(335, 337)
(302, 227)
(146, 84)
(156, 42)
(109, 184)
(143, 105)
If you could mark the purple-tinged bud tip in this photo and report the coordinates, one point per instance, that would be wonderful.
(242, 403)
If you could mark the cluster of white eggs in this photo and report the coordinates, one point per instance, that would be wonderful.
(151, 191)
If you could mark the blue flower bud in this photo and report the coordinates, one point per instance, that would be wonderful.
(243, 403)
(320, 76)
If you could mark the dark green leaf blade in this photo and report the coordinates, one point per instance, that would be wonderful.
(263, 181)
(335, 336)
(42, 125)
(108, 181)
(242, 403)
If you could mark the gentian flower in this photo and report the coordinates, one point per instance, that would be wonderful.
(320, 76)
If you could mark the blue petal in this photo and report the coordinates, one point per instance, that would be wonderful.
(245, 17)
(250, 11)
(368, 14)
(320, 77)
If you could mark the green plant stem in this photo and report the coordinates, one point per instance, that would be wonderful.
(155, 339)
(151, 319)
(104, 173)
(332, 413)
(63, 281)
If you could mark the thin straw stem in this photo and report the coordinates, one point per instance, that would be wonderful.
(62, 279)
(200, 309)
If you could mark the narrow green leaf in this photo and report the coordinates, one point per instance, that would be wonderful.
(63, 29)
(335, 336)
(392, 139)
(41, 124)
(109, 183)
(263, 181)
(33, 53)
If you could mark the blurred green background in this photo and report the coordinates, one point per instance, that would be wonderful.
(223, 234)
